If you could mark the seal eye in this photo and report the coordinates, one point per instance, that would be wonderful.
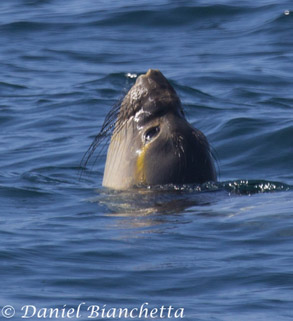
(151, 133)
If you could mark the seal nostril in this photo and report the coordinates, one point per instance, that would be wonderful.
(151, 133)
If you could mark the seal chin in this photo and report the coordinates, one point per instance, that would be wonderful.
(152, 142)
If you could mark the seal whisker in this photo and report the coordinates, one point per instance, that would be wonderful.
(101, 137)
(216, 158)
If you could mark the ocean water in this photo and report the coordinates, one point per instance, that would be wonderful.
(220, 253)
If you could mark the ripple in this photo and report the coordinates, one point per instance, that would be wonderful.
(175, 17)
(6, 85)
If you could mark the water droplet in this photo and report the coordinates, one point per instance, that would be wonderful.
(130, 75)
(286, 12)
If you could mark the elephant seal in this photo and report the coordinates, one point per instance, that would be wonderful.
(152, 142)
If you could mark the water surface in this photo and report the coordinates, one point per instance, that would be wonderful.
(222, 253)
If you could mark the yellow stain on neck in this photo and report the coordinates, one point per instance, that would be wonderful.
(140, 165)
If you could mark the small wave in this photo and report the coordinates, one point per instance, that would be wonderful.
(274, 21)
(6, 85)
(34, 26)
(284, 18)
(6, 119)
(193, 91)
(172, 198)
(79, 55)
(242, 187)
(248, 187)
(19, 192)
(285, 103)
(24, 26)
(160, 16)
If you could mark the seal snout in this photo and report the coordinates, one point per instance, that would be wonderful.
(155, 74)
(151, 72)
(154, 78)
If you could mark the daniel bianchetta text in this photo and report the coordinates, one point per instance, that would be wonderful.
(98, 312)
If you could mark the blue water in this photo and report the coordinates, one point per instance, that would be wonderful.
(223, 252)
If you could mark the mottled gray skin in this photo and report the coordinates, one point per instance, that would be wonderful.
(153, 143)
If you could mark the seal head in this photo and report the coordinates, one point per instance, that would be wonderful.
(152, 142)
